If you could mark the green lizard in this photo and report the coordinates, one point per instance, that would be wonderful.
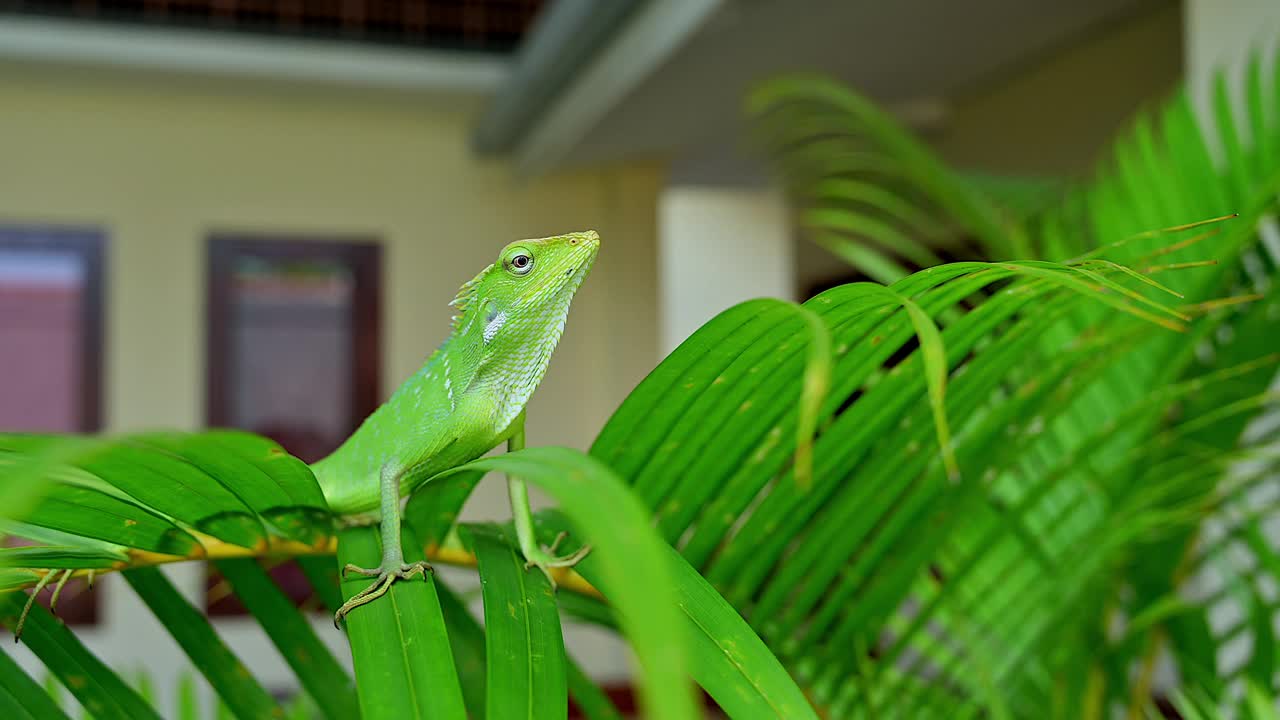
(467, 398)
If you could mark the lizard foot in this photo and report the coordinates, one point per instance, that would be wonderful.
(378, 587)
(544, 560)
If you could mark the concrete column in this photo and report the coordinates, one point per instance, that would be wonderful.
(1223, 35)
(718, 246)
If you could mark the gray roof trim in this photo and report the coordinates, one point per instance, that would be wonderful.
(561, 43)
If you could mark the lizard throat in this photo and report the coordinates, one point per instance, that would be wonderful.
(513, 374)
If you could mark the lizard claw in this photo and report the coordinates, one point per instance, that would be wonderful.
(353, 569)
(378, 587)
(544, 560)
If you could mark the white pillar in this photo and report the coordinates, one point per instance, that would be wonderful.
(1223, 35)
(717, 247)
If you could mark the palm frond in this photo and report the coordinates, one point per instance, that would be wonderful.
(1095, 456)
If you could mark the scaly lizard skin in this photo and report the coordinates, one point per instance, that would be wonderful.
(467, 398)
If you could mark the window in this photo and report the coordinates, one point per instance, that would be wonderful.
(51, 300)
(293, 351)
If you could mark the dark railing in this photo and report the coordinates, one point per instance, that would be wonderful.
(478, 25)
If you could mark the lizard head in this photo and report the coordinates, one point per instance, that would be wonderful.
(527, 291)
(513, 312)
(539, 277)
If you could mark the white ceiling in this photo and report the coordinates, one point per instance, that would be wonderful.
(903, 51)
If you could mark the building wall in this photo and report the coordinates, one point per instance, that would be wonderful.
(159, 162)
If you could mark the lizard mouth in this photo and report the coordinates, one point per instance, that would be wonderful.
(573, 278)
(578, 272)
(584, 257)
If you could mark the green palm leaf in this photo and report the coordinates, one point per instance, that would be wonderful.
(524, 649)
(208, 653)
(632, 572)
(317, 670)
(404, 667)
(1093, 449)
(467, 640)
(21, 698)
(99, 690)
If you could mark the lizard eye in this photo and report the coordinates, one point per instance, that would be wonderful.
(521, 263)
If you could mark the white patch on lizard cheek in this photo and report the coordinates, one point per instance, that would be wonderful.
(495, 324)
(448, 383)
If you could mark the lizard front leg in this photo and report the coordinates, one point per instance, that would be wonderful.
(522, 516)
(393, 566)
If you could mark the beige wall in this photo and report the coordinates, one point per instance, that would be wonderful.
(159, 162)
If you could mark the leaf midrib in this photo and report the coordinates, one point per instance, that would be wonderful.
(404, 655)
(732, 661)
(528, 632)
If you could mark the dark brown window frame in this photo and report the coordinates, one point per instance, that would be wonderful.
(363, 254)
(87, 244)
